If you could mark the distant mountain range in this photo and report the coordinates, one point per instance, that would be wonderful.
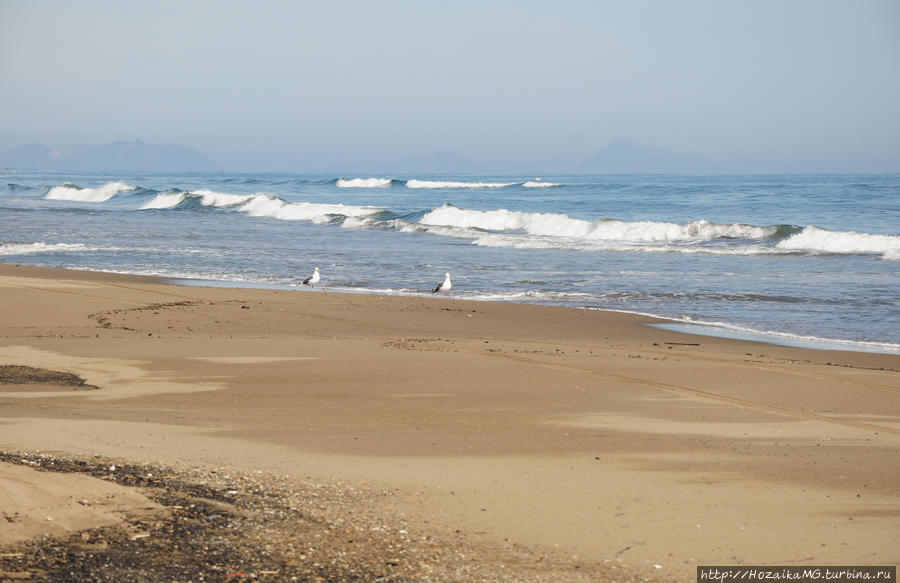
(117, 156)
(623, 156)
(443, 162)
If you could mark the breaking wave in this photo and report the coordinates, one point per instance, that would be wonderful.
(509, 228)
(524, 230)
(276, 208)
(99, 194)
(559, 225)
(824, 241)
(451, 184)
(164, 201)
(261, 205)
(203, 197)
(364, 182)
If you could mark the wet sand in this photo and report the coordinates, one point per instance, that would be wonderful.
(560, 444)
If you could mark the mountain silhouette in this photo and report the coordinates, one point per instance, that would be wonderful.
(117, 156)
(623, 156)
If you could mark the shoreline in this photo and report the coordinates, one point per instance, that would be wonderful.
(564, 431)
(689, 327)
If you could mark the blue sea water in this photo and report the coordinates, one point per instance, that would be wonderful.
(794, 257)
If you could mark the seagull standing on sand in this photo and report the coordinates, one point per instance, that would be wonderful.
(312, 279)
(444, 286)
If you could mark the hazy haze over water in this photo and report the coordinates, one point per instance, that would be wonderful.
(516, 86)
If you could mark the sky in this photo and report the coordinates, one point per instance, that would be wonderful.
(304, 86)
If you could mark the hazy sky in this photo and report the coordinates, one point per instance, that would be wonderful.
(279, 85)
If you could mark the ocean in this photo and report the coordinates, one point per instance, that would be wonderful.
(809, 260)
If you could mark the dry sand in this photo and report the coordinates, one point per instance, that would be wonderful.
(585, 441)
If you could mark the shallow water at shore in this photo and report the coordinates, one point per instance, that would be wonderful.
(796, 256)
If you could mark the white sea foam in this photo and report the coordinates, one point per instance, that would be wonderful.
(722, 329)
(221, 199)
(359, 222)
(164, 201)
(364, 182)
(100, 194)
(450, 184)
(188, 277)
(825, 241)
(267, 205)
(539, 184)
(262, 205)
(407, 227)
(571, 244)
(559, 225)
(34, 248)
(207, 198)
(530, 296)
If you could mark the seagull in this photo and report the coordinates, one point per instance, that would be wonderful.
(444, 286)
(312, 279)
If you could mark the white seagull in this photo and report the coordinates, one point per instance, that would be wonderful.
(312, 279)
(444, 286)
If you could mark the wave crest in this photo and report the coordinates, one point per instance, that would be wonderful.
(539, 184)
(277, 208)
(364, 182)
(164, 200)
(560, 225)
(100, 194)
(262, 205)
(824, 241)
(451, 184)
(204, 197)
(220, 199)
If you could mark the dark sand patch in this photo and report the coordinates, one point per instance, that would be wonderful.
(255, 527)
(19, 378)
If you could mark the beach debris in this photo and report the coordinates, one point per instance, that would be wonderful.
(258, 526)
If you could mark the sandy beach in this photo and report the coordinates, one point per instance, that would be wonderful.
(460, 440)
